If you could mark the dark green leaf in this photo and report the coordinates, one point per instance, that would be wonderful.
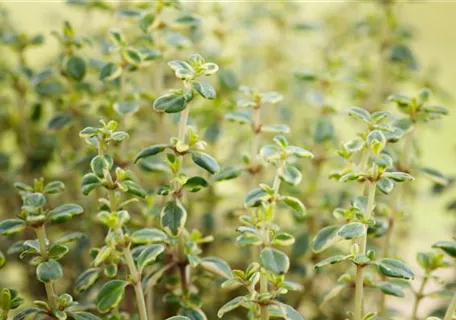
(48, 271)
(86, 280)
(173, 217)
(76, 68)
(205, 161)
(148, 235)
(325, 238)
(11, 226)
(395, 269)
(110, 295)
(204, 89)
(170, 103)
(64, 212)
(216, 266)
(274, 260)
(149, 255)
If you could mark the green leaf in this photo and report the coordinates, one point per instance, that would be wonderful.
(119, 136)
(126, 106)
(325, 238)
(283, 239)
(284, 311)
(110, 72)
(395, 269)
(275, 261)
(239, 117)
(49, 270)
(27, 312)
(102, 255)
(204, 89)
(448, 247)
(2, 261)
(385, 185)
(149, 255)
(300, 152)
(60, 120)
(64, 212)
(272, 97)
(209, 68)
(11, 226)
(324, 130)
(70, 237)
(148, 235)
(216, 266)
(398, 176)
(195, 184)
(294, 203)
(76, 68)
(351, 230)
(255, 197)
(390, 288)
(330, 260)
(134, 189)
(205, 161)
(231, 305)
(132, 56)
(360, 114)
(435, 176)
(300, 246)
(89, 183)
(54, 187)
(228, 173)
(34, 200)
(290, 175)
(170, 103)
(182, 69)
(151, 151)
(146, 22)
(376, 141)
(86, 280)
(58, 251)
(173, 217)
(83, 315)
(275, 128)
(110, 295)
(193, 313)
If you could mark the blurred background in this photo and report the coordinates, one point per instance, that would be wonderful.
(434, 44)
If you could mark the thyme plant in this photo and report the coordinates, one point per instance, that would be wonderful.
(176, 223)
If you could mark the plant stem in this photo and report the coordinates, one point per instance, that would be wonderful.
(362, 248)
(451, 309)
(141, 304)
(183, 124)
(419, 296)
(41, 235)
(263, 278)
(134, 273)
(256, 126)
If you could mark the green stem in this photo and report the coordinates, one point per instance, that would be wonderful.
(41, 235)
(183, 124)
(359, 306)
(150, 302)
(136, 275)
(451, 309)
(419, 296)
(263, 278)
(256, 126)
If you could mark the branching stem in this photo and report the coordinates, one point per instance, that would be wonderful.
(359, 289)
(41, 235)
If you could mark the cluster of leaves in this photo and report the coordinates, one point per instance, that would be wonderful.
(164, 185)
